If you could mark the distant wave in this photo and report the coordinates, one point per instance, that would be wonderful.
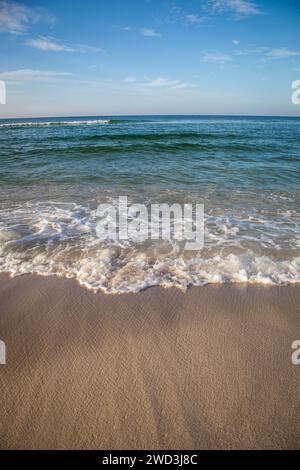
(90, 122)
(56, 123)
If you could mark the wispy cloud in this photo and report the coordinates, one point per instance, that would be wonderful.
(181, 85)
(150, 33)
(254, 51)
(217, 57)
(241, 8)
(263, 53)
(127, 28)
(180, 15)
(30, 75)
(281, 53)
(47, 43)
(130, 79)
(162, 82)
(193, 19)
(16, 18)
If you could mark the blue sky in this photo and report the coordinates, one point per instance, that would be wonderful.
(63, 58)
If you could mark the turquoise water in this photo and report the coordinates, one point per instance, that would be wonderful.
(245, 170)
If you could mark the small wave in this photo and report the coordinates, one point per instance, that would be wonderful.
(128, 121)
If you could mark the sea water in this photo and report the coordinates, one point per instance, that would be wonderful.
(245, 170)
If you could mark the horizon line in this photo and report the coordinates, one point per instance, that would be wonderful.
(151, 115)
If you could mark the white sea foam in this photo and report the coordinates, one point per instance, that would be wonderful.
(60, 238)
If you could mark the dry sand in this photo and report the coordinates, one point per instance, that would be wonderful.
(210, 368)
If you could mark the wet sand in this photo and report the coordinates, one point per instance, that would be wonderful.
(206, 369)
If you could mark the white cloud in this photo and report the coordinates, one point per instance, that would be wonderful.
(29, 75)
(180, 15)
(181, 85)
(217, 58)
(130, 79)
(193, 19)
(236, 42)
(281, 53)
(162, 82)
(239, 7)
(150, 33)
(127, 28)
(46, 43)
(267, 53)
(254, 51)
(16, 18)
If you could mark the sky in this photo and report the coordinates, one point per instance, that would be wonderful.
(128, 57)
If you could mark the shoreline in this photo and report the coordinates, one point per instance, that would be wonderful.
(209, 368)
(4, 276)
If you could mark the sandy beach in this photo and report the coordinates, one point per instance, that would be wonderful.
(163, 369)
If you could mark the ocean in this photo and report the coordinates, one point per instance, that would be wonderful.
(245, 170)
